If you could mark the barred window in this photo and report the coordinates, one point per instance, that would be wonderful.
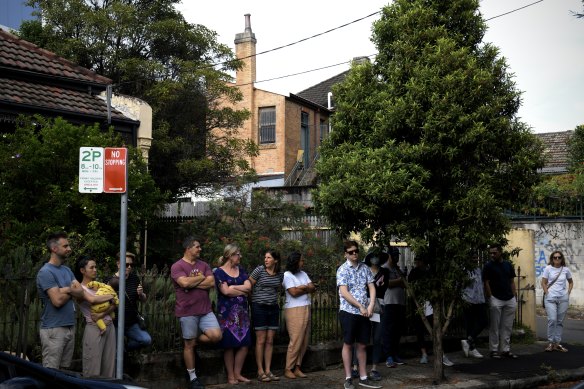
(267, 125)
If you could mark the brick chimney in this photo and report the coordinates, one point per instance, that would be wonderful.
(245, 47)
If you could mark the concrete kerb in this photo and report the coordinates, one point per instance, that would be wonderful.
(322, 363)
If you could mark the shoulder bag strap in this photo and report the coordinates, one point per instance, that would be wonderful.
(555, 279)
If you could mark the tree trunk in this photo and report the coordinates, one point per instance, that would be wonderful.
(437, 333)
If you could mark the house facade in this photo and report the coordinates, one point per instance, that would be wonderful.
(37, 81)
(288, 129)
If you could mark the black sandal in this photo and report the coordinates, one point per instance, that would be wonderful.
(495, 355)
(509, 354)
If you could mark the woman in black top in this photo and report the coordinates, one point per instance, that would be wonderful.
(380, 277)
(267, 281)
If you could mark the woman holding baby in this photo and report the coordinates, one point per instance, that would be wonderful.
(99, 346)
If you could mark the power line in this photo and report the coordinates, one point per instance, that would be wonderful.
(279, 48)
(372, 55)
(515, 10)
(303, 72)
(315, 36)
(298, 41)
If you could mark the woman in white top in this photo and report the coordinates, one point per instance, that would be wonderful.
(557, 284)
(297, 311)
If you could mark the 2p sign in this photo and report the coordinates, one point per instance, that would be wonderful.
(103, 170)
(91, 169)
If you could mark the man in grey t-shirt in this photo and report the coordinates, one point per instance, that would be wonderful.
(56, 287)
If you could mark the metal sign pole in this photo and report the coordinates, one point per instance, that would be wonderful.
(122, 288)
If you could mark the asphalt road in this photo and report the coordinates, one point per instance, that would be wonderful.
(573, 330)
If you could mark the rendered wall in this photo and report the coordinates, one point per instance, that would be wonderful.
(524, 239)
(566, 236)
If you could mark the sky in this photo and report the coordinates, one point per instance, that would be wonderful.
(543, 44)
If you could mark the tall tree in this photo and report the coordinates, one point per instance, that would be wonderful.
(150, 52)
(39, 190)
(426, 146)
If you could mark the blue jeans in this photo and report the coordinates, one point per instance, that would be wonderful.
(137, 338)
(556, 308)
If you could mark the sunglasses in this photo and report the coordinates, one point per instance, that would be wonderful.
(557, 257)
(351, 252)
(129, 264)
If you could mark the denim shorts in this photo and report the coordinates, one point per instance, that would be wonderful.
(193, 326)
(265, 316)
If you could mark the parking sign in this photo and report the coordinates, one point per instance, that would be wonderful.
(91, 169)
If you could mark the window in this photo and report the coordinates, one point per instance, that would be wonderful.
(324, 130)
(267, 125)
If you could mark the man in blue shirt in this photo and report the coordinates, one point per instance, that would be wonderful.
(56, 287)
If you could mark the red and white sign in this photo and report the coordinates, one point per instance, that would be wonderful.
(115, 170)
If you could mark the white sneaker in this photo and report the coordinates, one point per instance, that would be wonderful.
(475, 354)
(465, 347)
(446, 361)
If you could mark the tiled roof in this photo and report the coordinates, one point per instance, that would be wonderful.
(555, 143)
(34, 80)
(47, 97)
(16, 53)
(556, 151)
(318, 93)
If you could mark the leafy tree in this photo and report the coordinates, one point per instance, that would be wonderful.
(150, 52)
(579, 15)
(426, 146)
(256, 222)
(39, 192)
(561, 194)
(576, 157)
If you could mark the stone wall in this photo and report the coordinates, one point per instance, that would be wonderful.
(167, 371)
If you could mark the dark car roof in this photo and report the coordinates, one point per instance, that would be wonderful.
(14, 367)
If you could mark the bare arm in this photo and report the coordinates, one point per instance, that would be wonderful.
(97, 316)
(60, 296)
(231, 290)
(488, 292)
(372, 297)
(141, 295)
(297, 291)
(570, 285)
(544, 285)
(207, 283)
(96, 299)
(246, 287)
(344, 291)
(197, 281)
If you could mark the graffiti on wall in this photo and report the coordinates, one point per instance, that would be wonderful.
(540, 263)
(567, 237)
(564, 237)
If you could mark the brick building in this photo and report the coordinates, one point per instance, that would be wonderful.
(288, 129)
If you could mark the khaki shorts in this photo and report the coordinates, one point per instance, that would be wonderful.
(58, 344)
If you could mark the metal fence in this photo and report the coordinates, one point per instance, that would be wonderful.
(20, 315)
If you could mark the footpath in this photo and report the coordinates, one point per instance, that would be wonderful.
(534, 368)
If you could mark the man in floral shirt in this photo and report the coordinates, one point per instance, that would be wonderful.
(354, 278)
